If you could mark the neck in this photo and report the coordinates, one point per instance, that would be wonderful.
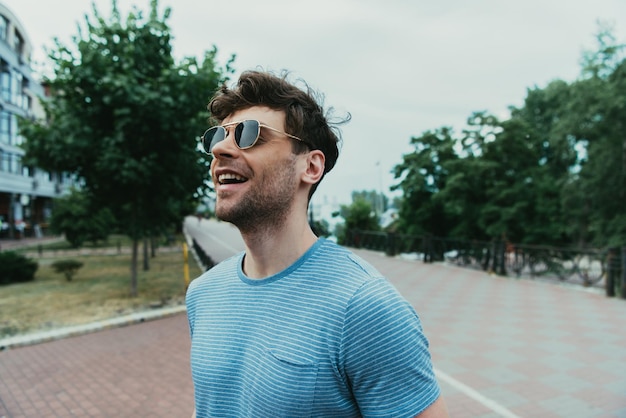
(275, 247)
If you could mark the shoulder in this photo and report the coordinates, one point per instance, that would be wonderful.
(216, 277)
(333, 258)
(367, 295)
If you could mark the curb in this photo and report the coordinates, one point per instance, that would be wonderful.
(75, 330)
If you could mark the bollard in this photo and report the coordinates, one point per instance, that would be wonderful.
(611, 271)
(623, 274)
(391, 244)
(185, 265)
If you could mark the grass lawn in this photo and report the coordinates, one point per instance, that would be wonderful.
(99, 290)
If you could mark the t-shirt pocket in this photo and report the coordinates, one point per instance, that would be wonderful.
(283, 385)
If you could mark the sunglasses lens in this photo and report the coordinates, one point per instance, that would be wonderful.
(246, 133)
(212, 136)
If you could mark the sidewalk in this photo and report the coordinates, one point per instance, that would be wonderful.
(506, 347)
(140, 370)
(502, 347)
(12, 244)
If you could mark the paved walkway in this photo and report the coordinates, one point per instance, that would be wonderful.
(502, 347)
(11, 244)
(506, 347)
(139, 370)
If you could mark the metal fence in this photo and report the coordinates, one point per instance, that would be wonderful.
(584, 267)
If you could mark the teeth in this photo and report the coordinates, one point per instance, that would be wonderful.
(230, 176)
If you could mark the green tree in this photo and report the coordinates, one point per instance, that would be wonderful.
(553, 173)
(601, 182)
(550, 126)
(75, 217)
(124, 117)
(423, 174)
(377, 200)
(602, 179)
(359, 215)
(320, 227)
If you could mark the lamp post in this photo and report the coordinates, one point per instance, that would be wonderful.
(379, 202)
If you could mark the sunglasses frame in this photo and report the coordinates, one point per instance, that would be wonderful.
(237, 123)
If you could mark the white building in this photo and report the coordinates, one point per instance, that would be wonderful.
(25, 192)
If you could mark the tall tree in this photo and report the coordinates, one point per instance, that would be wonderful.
(603, 177)
(422, 174)
(359, 215)
(541, 154)
(124, 117)
(377, 200)
(553, 173)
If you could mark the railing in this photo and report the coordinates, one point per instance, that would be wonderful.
(585, 267)
(205, 259)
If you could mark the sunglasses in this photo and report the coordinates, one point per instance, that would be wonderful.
(246, 134)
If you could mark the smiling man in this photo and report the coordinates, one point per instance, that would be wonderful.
(294, 326)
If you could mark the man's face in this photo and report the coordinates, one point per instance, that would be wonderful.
(255, 187)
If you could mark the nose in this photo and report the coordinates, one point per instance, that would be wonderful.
(225, 148)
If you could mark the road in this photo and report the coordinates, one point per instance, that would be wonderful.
(219, 240)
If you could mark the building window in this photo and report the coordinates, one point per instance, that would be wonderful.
(15, 165)
(18, 44)
(16, 89)
(5, 84)
(5, 127)
(27, 102)
(25, 99)
(4, 24)
(10, 163)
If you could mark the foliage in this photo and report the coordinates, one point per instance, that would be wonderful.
(377, 200)
(553, 173)
(359, 215)
(124, 118)
(320, 227)
(74, 217)
(67, 267)
(16, 268)
(423, 174)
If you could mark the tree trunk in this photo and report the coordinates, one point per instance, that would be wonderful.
(153, 246)
(623, 191)
(146, 261)
(133, 269)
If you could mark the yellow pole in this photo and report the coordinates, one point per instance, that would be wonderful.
(186, 265)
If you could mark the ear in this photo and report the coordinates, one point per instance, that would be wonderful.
(314, 169)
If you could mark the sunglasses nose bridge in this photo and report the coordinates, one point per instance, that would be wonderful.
(226, 145)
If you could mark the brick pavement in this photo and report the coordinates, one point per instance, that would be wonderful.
(517, 347)
(502, 347)
(140, 370)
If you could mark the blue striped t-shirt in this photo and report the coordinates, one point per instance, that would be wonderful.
(326, 337)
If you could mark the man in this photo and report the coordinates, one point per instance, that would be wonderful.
(295, 325)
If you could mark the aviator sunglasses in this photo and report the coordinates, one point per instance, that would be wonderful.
(246, 134)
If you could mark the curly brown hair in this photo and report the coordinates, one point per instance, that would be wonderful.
(305, 116)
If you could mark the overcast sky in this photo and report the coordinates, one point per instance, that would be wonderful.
(400, 67)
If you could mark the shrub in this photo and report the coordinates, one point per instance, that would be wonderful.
(74, 217)
(16, 268)
(67, 267)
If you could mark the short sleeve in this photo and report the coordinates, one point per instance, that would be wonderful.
(384, 353)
